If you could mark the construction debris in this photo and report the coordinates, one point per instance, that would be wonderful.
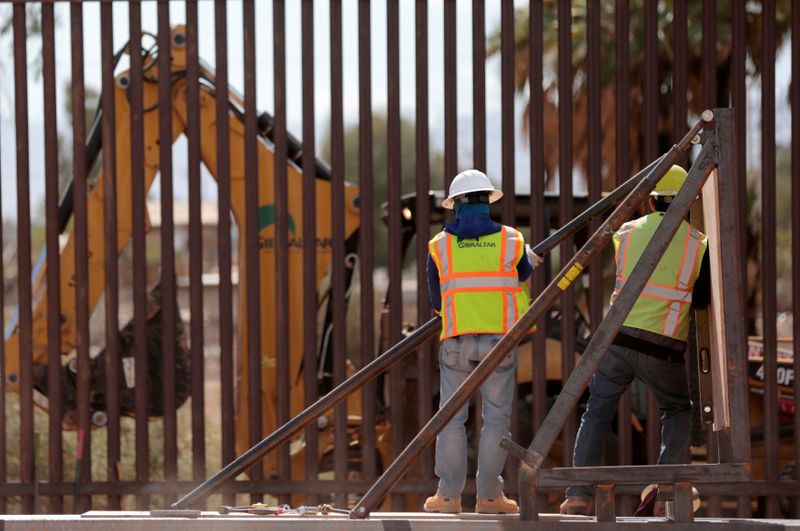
(262, 509)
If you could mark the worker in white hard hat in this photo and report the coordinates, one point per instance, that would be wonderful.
(651, 343)
(476, 270)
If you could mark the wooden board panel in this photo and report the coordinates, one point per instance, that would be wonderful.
(719, 364)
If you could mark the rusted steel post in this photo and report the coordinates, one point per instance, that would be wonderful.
(55, 409)
(252, 275)
(795, 99)
(450, 95)
(622, 87)
(709, 99)
(395, 252)
(739, 101)
(604, 503)
(565, 203)
(734, 443)
(80, 229)
(23, 253)
(137, 198)
(538, 224)
(508, 207)
(604, 335)
(622, 163)
(224, 243)
(507, 60)
(281, 255)
(478, 82)
(709, 53)
(594, 141)
(338, 273)
(680, 45)
(538, 220)
(167, 237)
(369, 464)
(111, 292)
(682, 510)
(424, 203)
(311, 391)
(768, 254)
(192, 88)
(568, 274)
(650, 91)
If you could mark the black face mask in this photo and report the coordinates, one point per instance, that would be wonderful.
(475, 208)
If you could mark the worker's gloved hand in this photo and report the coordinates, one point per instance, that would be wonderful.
(535, 259)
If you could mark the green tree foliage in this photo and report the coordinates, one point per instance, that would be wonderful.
(666, 53)
(380, 149)
(33, 23)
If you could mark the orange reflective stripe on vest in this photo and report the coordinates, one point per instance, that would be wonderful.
(691, 248)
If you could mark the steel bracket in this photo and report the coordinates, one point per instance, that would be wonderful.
(527, 456)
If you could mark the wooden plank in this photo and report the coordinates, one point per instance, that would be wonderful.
(701, 363)
(635, 475)
(719, 364)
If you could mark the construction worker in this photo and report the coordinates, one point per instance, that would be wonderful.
(651, 342)
(476, 268)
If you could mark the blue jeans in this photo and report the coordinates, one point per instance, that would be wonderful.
(619, 367)
(458, 356)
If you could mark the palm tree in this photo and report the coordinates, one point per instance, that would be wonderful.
(637, 71)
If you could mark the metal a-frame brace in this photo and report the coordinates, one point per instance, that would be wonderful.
(733, 441)
(389, 358)
(534, 456)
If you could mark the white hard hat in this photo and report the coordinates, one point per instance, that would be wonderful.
(469, 181)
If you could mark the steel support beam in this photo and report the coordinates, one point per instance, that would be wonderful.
(393, 355)
(605, 334)
(642, 475)
(562, 281)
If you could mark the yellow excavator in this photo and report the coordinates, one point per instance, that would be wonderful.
(208, 154)
(96, 264)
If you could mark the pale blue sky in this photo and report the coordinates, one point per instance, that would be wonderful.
(264, 79)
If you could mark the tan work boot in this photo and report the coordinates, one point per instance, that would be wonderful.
(575, 505)
(499, 505)
(652, 506)
(442, 504)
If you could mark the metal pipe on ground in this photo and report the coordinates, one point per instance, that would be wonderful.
(387, 359)
(568, 274)
(310, 414)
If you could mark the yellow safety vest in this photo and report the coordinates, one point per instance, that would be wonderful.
(481, 291)
(663, 306)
